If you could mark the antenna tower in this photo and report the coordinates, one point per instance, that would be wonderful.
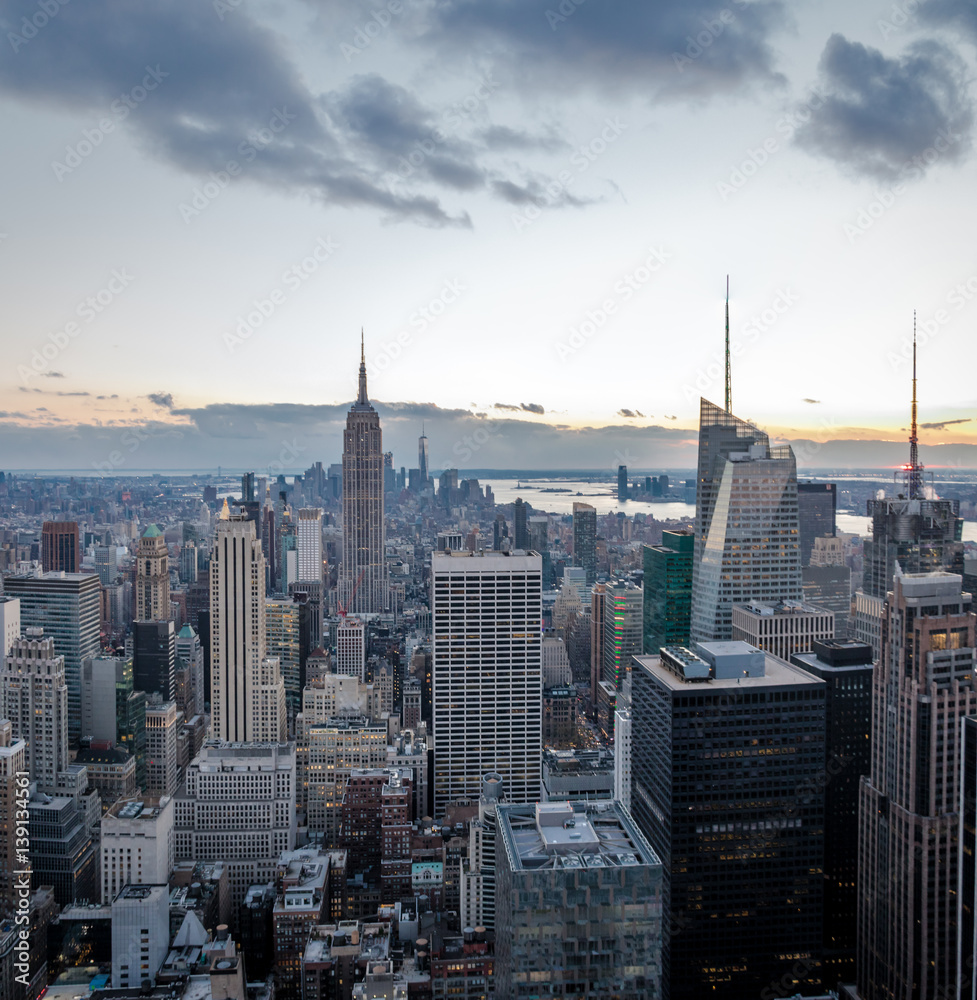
(729, 389)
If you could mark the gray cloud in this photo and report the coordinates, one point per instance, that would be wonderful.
(623, 46)
(958, 14)
(890, 119)
(630, 414)
(532, 408)
(941, 425)
(504, 406)
(163, 399)
(812, 401)
(220, 81)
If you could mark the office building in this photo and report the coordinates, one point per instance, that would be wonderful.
(520, 527)
(162, 770)
(60, 547)
(585, 540)
(152, 577)
(598, 608)
(246, 689)
(622, 756)
(966, 988)
(727, 762)
(578, 903)
(287, 639)
(188, 562)
(826, 582)
(746, 528)
(487, 682)
(35, 699)
(622, 483)
(363, 587)
(13, 761)
(423, 460)
(238, 807)
(62, 853)
(578, 775)
(351, 647)
(9, 623)
(137, 844)
(667, 587)
(140, 934)
(784, 628)
(309, 543)
(816, 506)
(189, 650)
(66, 606)
(909, 821)
(623, 626)
(846, 669)
(154, 657)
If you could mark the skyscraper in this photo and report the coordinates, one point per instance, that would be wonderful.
(727, 770)
(152, 577)
(423, 459)
(816, 506)
(623, 625)
(66, 607)
(487, 673)
(60, 547)
(154, 658)
(746, 527)
(246, 689)
(35, 700)
(909, 822)
(622, 482)
(668, 590)
(309, 544)
(520, 511)
(585, 540)
(363, 587)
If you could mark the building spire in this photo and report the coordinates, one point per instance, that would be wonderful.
(729, 389)
(362, 399)
(915, 469)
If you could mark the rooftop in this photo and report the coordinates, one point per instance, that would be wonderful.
(561, 835)
(776, 673)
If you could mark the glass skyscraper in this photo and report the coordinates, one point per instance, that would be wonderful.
(747, 544)
(668, 590)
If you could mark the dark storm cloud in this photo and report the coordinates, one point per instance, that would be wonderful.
(627, 46)
(201, 91)
(532, 408)
(164, 399)
(890, 119)
(959, 14)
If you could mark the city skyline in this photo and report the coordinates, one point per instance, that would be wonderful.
(550, 198)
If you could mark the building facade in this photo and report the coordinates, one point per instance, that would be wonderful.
(487, 673)
(668, 590)
(152, 577)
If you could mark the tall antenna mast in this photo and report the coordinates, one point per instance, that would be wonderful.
(915, 469)
(729, 389)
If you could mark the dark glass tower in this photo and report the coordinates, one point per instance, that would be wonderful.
(520, 509)
(727, 757)
(846, 669)
(585, 540)
(154, 658)
(816, 506)
(668, 591)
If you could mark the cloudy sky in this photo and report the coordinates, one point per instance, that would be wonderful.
(530, 207)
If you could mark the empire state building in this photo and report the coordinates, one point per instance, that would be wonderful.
(363, 587)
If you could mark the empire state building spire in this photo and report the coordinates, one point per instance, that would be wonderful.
(362, 399)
